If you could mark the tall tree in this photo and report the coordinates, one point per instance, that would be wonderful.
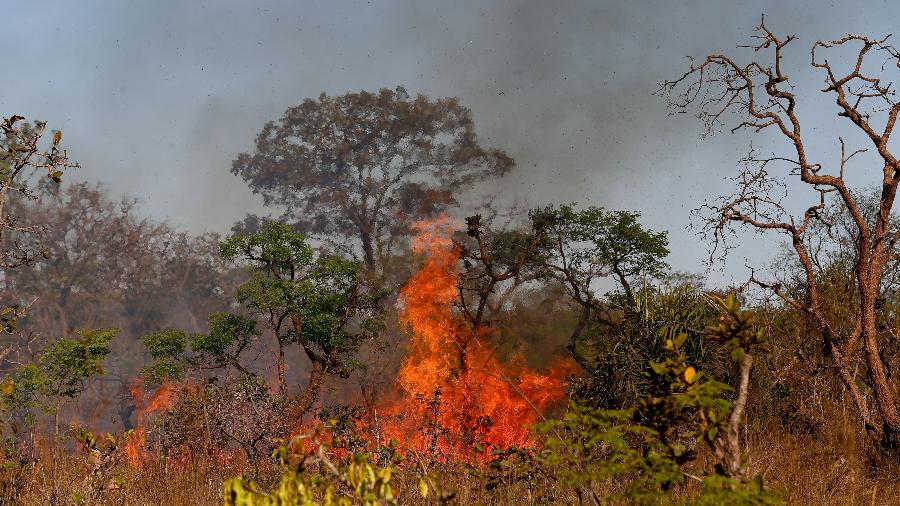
(764, 99)
(107, 266)
(365, 165)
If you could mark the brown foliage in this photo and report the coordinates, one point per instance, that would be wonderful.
(366, 165)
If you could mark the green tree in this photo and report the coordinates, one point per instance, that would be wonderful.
(59, 373)
(495, 262)
(320, 303)
(583, 247)
(366, 165)
(617, 351)
(637, 455)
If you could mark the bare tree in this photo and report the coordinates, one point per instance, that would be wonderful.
(22, 161)
(108, 265)
(496, 262)
(764, 98)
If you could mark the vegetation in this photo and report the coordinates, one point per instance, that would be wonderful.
(552, 359)
(22, 159)
(367, 165)
(762, 96)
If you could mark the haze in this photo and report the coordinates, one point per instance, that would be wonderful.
(156, 98)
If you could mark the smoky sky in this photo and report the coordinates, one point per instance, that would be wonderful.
(156, 98)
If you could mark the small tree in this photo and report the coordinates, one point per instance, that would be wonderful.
(495, 263)
(319, 303)
(618, 346)
(59, 374)
(582, 248)
(641, 452)
(366, 165)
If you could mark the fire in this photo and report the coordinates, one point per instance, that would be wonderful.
(162, 398)
(457, 400)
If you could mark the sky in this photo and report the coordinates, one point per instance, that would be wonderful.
(156, 98)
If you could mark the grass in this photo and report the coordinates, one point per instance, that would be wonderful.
(829, 468)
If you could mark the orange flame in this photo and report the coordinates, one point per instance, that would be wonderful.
(162, 398)
(457, 400)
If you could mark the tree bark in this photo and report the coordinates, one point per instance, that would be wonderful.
(304, 402)
(583, 318)
(368, 249)
(282, 378)
(728, 448)
(881, 386)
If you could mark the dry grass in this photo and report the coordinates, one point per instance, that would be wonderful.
(832, 467)
(63, 479)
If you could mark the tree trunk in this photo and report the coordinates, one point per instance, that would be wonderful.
(56, 420)
(728, 447)
(303, 402)
(282, 378)
(842, 363)
(368, 249)
(576, 334)
(880, 383)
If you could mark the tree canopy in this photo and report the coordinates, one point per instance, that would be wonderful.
(317, 302)
(365, 165)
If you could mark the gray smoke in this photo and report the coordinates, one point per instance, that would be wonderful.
(156, 98)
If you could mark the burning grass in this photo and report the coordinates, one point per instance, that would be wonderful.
(160, 400)
(65, 478)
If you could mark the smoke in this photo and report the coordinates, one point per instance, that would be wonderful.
(156, 98)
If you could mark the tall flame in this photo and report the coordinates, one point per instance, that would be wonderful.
(457, 400)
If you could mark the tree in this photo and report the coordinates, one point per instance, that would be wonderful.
(319, 303)
(765, 99)
(495, 263)
(581, 248)
(108, 266)
(366, 165)
(618, 343)
(645, 448)
(59, 373)
(98, 250)
(22, 162)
